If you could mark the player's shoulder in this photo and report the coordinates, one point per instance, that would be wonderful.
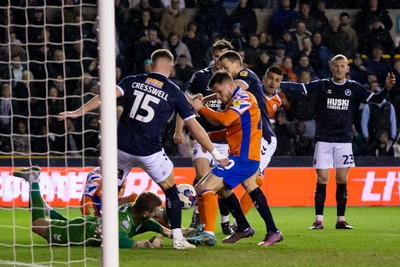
(241, 100)
(204, 72)
(247, 74)
(353, 83)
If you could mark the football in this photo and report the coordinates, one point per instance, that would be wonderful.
(187, 195)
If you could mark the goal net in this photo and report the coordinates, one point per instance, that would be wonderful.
(48, 64)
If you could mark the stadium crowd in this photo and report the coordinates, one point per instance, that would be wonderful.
(49, 64)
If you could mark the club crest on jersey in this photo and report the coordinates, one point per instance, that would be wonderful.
(347, 92)
(236, 103)
(154, 82)
(329, 91)
(244, 73)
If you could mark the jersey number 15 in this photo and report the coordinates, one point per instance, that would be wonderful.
(142, 101)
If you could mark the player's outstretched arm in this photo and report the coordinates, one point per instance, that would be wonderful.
(93, 104)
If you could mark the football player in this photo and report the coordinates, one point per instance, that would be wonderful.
(337, 99)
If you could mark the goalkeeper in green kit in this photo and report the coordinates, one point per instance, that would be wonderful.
(134, 218)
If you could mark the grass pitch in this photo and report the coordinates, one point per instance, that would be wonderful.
(374, 241)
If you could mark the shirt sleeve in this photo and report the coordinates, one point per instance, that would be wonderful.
(224, 118)
(125, 241)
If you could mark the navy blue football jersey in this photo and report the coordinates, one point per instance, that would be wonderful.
(335, 107)
(150, 101)
(198, 84)
(255, 87)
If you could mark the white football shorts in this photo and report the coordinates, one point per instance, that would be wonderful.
(158, 165)
(267, 151)
(333, 155)
(199, 153)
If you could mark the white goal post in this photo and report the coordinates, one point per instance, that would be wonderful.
(108, 132)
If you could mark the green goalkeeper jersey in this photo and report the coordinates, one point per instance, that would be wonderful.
(128, 228)
(87, 230)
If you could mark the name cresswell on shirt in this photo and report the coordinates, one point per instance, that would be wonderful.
(338, 104)
(150, 89)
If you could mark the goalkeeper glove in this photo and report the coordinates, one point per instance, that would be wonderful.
(157, 241)
(143, 244)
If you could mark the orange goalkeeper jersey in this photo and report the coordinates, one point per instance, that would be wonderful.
(242, 120)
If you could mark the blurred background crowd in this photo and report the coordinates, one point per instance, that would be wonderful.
(49, 63)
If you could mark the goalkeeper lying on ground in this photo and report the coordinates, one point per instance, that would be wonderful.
(134, 218)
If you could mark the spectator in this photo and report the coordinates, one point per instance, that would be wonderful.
(252, 51)
(245, 15)
(302, 145)
(55, 105)
(197, 44)
(16, 48)
(376, 34)
(145, 49)
(78, 61)
(385, 146)
(336, 38)
(378, 65)
(358, 71)
(166, 3)
(21, 94)
(73, 139)
(147, 66)
(56, 65)
(284, 134)
(262, 63)
(212, 19)
(44, 143)
(313, 55)
(396, 146)
(21, 139)
(318, 12)
(140, 28)
(287, 69)
(303, 64)
(266, 42)
(395, 93)
(35, 25)
(174, 19)
(298, 33)
(176, 47)
(312, 25)
(350, 31)
(292, 48)
(282, 18)
(15, 70)
(6, 108)
(183, 70)
(91, 137)
(324, 54)
(358, 144)
(135, 13)
(368, 13)
(280, 54)
(378, 118)
(236, 38)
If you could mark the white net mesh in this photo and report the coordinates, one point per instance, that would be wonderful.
(48, 64)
